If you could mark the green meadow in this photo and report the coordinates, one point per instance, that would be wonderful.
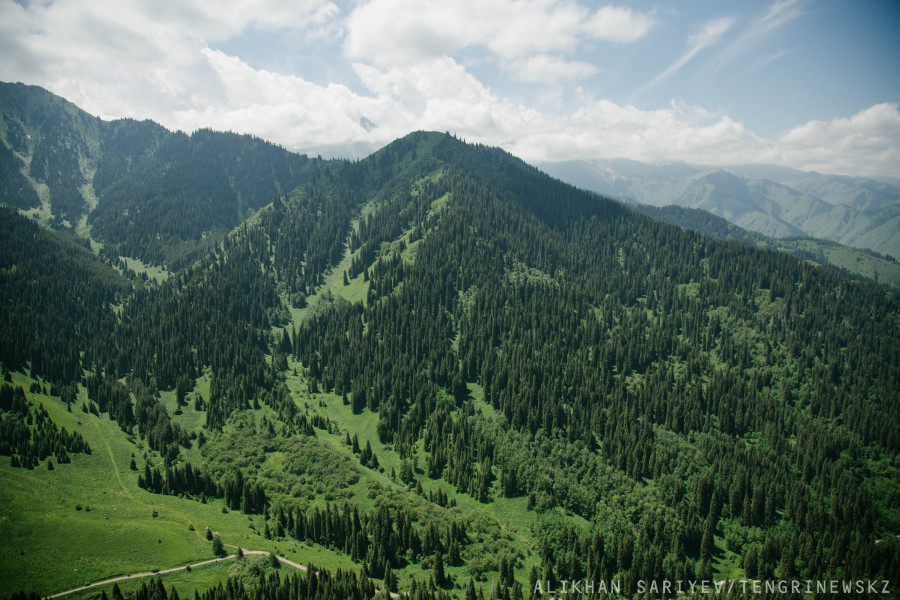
(88, 521)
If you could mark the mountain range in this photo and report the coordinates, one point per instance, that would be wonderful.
(775, 201)
(436, 371)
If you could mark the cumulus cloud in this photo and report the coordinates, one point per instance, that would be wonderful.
(545, 68)
(603, 129)
(130, 58)
(392, 32)
(136, 57)
(868, 143)
(441, 95)
(285, 109)
(618, 24)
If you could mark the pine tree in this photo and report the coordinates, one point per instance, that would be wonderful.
(117, 593)
(390, 579)
(437, 572)
(706, 545)
(470, 590)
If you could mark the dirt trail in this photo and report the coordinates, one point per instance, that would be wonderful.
(173, 570)
(244, 551)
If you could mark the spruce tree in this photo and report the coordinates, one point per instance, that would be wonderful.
(437, 571)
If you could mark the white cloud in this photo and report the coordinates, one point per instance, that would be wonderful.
(777, 15)
(603, 129)
(618, 24)
(284, 109)
(868, 143)
(136, 57)
(545, 68)
(116, 58)
(710, 33)
(394, 32)
(402, 31)
(440, 95)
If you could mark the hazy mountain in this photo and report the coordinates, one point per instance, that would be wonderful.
(858, 261)
(775, 201)
(862, 193)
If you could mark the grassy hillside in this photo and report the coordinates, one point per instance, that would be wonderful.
(88, 520)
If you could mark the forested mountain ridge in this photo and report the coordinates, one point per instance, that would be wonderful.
(441, 366)
(775, 201)
(146, 192)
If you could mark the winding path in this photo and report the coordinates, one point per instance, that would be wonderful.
(152, 574)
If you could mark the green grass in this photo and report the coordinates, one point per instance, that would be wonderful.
(356, 291)
(198, 579)
(357, 288)
(49, 545)
(154, 272)
(508, 515)
(854, 260)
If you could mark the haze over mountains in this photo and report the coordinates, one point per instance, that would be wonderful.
(435, 370)
(776, 201)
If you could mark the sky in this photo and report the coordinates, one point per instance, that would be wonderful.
(809, 84)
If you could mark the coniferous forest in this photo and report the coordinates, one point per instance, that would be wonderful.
(437, 367)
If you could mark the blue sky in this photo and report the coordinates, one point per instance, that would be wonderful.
(811, 84)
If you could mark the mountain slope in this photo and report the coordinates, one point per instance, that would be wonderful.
(509, 380)
(188, 192)
(860, 193)
(774, 201)
(563, 308)
(56, 302)
(859, 262)
(55, 142)
(144, 192)
(600, 342)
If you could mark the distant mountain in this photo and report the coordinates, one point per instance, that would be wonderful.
(858, 192)
(775, 201)
(141, 190)
(861, 262)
